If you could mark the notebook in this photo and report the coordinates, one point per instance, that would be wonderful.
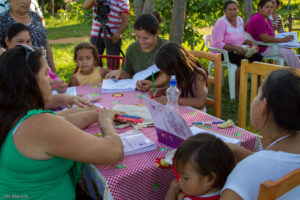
(127, 85)
(134, 142)
(291, 44)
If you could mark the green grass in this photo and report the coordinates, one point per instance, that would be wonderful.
(58, 28)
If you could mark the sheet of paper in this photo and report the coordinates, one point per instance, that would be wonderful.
(197, 130)
(291, 44)
(167, 119)
(135, 142)
(123, 85)
(70, 91)
(109, 85)
(142, 75)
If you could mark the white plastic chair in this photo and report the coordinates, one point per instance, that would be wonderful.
(275, 56)
(225, 63)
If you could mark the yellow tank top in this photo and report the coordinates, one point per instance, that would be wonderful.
(93, 78)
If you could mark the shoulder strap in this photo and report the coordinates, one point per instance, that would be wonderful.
(29, 114)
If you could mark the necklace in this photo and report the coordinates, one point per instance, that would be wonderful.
(278, 139)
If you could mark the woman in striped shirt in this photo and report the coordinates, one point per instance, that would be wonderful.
(275, 18)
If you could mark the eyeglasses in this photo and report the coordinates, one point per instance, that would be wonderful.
(29, 50)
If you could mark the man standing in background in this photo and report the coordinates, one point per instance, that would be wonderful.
(118, 17)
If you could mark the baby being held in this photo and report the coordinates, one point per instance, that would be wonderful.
(203, 163)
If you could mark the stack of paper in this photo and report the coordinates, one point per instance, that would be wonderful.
(135, 142)
(291, 44)
(125, 85)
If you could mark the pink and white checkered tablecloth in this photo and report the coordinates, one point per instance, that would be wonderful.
(141, 179)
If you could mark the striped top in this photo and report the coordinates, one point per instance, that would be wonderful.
(117, 7)
(277, 23)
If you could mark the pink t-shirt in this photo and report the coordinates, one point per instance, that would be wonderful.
(257, 26)
(224, 33)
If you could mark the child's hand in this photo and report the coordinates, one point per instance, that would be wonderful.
(162, 100)
(173, 191)
(143, 85)
(158, 92)
(59, 86)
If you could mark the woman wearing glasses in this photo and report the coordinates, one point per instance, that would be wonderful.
(19, 13)
(40, 153)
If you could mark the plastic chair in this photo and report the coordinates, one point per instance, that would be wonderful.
(216, 80)
(225, 63)
(275, 56)
(254, 69)
(271, 190)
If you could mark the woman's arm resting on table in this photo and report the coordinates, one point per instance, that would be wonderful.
(59, 100)
(200, 93)
(229, 195)
(82, 119)
(57, 137)
(269, 39)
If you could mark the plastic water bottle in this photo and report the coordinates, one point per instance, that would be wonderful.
(173, 94)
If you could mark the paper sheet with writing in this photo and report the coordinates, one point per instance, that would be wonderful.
(291, 44)
(196, 130)
(123, 85)
(135, 142)
(70, 91)
(167, 119)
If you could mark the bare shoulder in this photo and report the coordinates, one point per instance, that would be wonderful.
(229, 195)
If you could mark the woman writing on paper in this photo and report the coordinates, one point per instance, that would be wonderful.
(260, 28)
(191, 78)
(141, 54)
(40, 153)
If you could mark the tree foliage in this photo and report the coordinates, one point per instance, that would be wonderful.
(199, 14)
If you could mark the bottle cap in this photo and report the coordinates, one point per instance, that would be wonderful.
(173, 82)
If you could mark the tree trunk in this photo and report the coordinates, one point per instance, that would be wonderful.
(177, 24)
(52, 7)
(138, 7)
(248, 10)
(148, 7)
(43, 6)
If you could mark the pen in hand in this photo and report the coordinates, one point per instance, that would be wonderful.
(153, 82)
